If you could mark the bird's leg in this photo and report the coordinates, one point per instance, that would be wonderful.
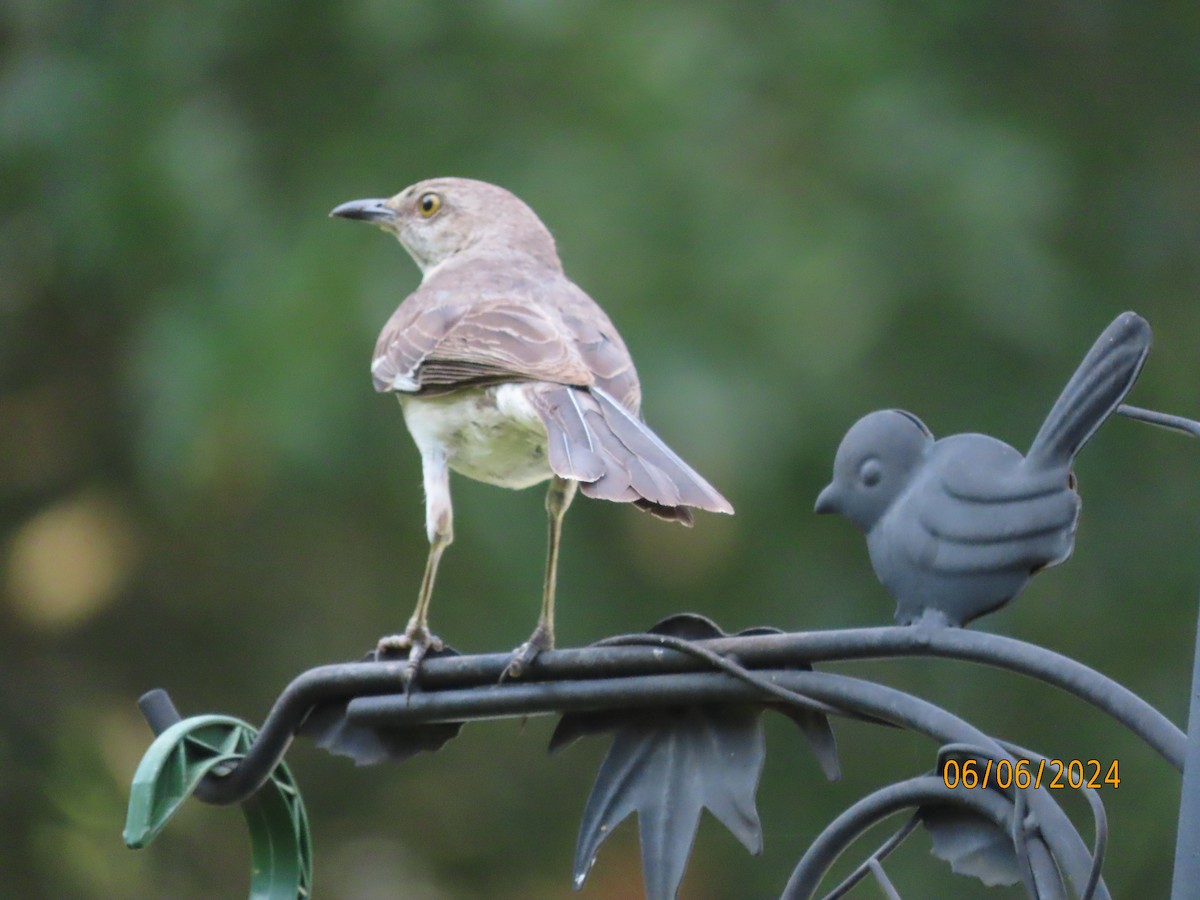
(558, 498)
(417, 639)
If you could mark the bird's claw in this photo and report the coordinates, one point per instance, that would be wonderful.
(525, 654)
(418, 641)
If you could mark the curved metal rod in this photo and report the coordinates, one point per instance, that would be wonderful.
(1187, 836)
(882, 852)
(1162, 420)
(1099, 815)
(1099, 819)
(1100, 846)
(346, 680)
(1025, 864)
(323, 683)
(923, 790)
(1038, 865)
(1112, 698)
(843, 691)
(1069, 852)
(885, 883)
(1017, 824)
(1094, 688)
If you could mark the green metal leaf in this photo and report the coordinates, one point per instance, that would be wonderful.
(177, 761)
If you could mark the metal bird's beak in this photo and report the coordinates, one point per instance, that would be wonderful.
(828, 501)
(365, 210)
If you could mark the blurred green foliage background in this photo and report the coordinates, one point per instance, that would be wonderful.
(796, 212)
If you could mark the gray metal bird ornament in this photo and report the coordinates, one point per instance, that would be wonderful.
(956, 527)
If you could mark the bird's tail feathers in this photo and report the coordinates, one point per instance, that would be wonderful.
(1095, 390)
(593, 439)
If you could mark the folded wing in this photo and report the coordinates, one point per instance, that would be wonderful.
(982, 511)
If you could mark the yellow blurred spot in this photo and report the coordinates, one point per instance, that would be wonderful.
(70, 560)
(123, 737)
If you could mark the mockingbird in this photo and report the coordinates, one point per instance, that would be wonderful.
(510, 374)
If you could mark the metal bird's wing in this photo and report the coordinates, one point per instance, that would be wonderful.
(977, 510)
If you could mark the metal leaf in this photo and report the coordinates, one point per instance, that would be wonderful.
(668, 765)
(814, 725)
(331, 730)
(191, 749)
(817, 729)
(972, 845)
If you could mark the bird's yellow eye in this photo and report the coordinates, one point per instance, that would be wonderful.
(429, 204)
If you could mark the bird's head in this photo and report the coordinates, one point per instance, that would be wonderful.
(874, 462)
(441, 218)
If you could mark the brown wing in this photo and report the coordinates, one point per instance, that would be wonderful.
(468, 328)
(602, 350)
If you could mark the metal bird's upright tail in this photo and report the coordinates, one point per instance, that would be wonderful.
(593, 439)
(1093, 393)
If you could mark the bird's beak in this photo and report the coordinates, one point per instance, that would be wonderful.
(827, 501)
(366, 210)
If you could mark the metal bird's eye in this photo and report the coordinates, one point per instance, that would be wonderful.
(429, 204)
(870, 472)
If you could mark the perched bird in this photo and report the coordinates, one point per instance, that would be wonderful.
(509, 374)
(956, 527)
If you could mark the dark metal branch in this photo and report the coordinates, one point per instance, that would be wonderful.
(158, 709)
(651, 690)
(971, 646)
(727, 664)
(290, 709)
(769, 651)
(379, 700)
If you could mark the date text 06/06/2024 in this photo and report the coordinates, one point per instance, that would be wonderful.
(1055, 774)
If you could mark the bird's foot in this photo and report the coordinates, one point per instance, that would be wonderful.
(931, 618)
(540, 640)
(418, 640)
